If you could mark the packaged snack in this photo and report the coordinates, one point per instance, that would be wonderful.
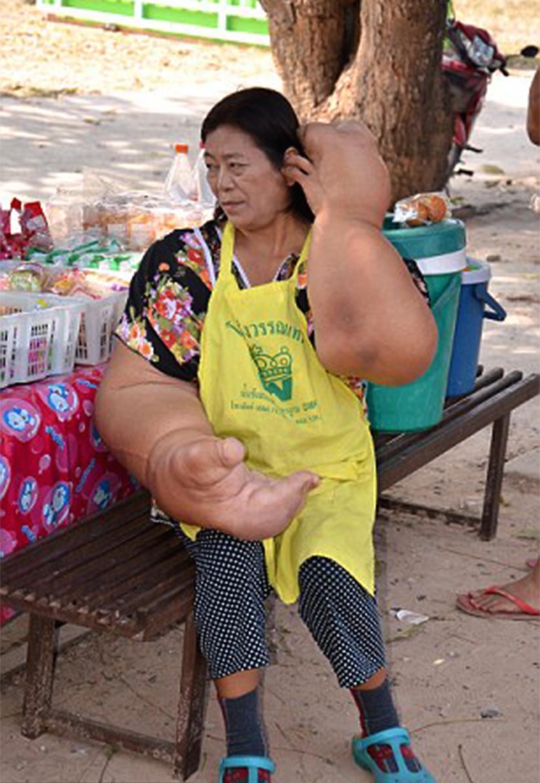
(23, 227)
(12, 244)
(422, 209)
(25, 279)
(105, 255)
(35, 228)
(103, 211)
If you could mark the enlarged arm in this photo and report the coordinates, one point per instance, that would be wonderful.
(157, 428)
(370, 319)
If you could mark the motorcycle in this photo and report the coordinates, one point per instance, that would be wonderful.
(470, 59)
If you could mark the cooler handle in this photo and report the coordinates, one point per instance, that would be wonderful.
(497, 313)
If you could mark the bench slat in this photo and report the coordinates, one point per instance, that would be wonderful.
(94, 575)
(457, 408)
(445, 435)
(179, 576)
(133, 584)
(81, 533)
(74, 559)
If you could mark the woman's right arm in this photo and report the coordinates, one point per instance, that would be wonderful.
(157, 428)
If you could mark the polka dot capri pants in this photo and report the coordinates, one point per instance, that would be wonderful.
(231, 588)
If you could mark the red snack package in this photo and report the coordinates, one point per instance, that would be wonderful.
(11, 244)
(35, 228)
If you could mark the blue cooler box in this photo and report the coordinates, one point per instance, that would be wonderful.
(473, 301)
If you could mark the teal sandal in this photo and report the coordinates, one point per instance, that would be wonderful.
(388, 765)
(252, 763)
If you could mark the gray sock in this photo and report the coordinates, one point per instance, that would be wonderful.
(244, 725)
(377, 710)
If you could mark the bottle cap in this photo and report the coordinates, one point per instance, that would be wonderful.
(181, 147)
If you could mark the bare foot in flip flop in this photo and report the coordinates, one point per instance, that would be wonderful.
(519, 600)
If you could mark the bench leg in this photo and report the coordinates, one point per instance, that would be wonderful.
(39, 675)
(191, 705)
(494, 479)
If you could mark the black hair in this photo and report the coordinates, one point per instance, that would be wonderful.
(269, 119)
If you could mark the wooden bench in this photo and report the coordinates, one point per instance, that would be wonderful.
(117, 572)
(495, 396)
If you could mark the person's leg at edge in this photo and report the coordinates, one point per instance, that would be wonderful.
(526, 589)
(342, 618)
(231, 588)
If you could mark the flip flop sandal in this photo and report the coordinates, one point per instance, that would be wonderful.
(387, 763)
(468, 605)
(253, 764)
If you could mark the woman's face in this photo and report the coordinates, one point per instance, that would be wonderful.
(251, 191)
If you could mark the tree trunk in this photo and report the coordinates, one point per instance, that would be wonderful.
(392, 80)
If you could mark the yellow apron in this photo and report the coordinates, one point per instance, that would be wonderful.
(262, 382)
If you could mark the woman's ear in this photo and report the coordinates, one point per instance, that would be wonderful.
(286, 168)
(286, 173)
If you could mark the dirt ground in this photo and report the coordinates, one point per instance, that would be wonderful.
(467, 688)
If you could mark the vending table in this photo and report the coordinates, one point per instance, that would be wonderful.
(54, 467)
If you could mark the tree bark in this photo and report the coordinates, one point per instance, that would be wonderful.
(309, 44)
(392, 80)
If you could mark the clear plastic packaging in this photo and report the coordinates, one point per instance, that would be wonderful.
(179, 182)
(107, 213)
(422, 209)
(204, 195)
(23, 227)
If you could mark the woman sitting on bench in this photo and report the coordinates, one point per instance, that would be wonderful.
(229, 399)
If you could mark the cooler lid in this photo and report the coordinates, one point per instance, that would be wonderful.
(476, 271)
(427, 242)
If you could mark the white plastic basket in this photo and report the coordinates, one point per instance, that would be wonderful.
(98, 322)
(38, 336)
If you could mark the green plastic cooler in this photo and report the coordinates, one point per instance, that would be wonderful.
(439, 251)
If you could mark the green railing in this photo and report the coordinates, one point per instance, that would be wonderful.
(236, 21)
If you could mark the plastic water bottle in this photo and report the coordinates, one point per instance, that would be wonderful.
(203, 192)
(179, 181)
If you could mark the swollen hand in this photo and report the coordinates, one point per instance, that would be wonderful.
(214, 488)
(341, 172)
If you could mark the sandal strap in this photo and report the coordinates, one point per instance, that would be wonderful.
(514, 599)
(395, 739)
(252, 763)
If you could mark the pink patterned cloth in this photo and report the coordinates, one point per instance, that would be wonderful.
(54, 467)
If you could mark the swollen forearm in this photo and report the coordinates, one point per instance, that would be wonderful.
(139, 422)
(154, 432)
(369, 317)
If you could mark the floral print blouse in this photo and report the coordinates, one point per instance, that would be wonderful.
(169, 296)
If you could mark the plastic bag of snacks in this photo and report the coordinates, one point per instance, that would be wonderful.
(34, 277)
(106, 255)
(100, 210)
(23, 227)
(422, 209)
(21, 276)
(83, 283)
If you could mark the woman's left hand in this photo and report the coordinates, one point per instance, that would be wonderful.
(341, 171)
